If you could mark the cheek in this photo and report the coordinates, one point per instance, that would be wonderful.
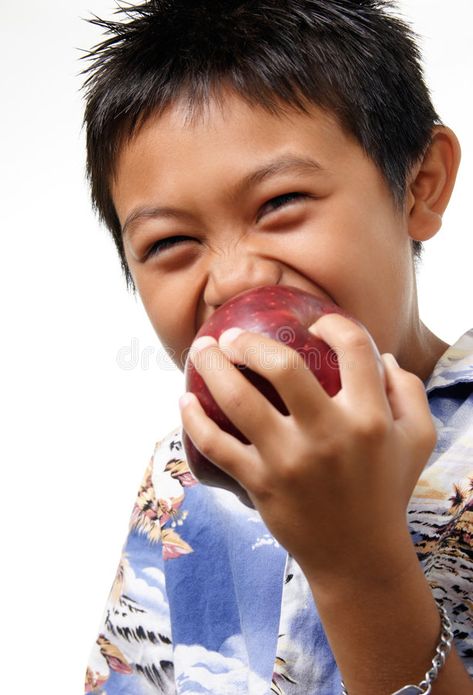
(171, 313)
(325, 260)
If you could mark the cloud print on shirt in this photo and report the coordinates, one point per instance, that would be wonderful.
(224, 672)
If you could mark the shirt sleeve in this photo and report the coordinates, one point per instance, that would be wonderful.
(133, 653)
(440, 512)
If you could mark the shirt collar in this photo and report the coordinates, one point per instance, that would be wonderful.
(455, 365)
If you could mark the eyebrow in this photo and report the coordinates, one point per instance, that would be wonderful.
(285, 164)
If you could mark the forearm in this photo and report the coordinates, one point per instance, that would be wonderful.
(383, 631)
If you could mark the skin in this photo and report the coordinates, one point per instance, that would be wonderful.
(344, 241)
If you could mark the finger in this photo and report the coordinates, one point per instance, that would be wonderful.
(283, 367)
(239, 460)
(409, 403)
(361, 367)
(242, 403)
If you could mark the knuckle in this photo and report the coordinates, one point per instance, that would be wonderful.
(261, 488)
(330, 448)
(371, 428)
(234, 399)
(356, 339)
(289, 474)
(287, 363)
(207, 445)
(278, 359)
(415, 380)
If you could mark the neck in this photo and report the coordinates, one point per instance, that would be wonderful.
(421, 357)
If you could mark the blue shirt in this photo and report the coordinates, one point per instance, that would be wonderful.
(205, 600)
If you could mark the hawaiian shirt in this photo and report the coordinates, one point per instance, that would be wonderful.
(205, 600)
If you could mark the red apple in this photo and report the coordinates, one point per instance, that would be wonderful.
(281, 313)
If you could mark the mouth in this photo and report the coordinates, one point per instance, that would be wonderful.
(259, 306)
(317, 292)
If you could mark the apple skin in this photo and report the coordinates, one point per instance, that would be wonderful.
(282, 313)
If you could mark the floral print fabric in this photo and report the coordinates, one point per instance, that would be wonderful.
(205, 600)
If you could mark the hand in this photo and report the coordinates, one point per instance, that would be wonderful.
(332, 479)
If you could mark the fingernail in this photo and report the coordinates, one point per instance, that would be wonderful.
(391, 359)
(313, 329)
(198, 345)
(230, 335)
(202, 342)
(185, 399)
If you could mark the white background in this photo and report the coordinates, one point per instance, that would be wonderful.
(78, 429)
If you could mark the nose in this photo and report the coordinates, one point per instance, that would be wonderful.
(231, 275)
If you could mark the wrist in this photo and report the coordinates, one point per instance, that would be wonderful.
(368, 568)
(382, 626)
(442, 650)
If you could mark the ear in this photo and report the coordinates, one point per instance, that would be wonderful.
(431, 184)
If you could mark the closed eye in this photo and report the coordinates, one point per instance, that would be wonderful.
(163, 244)
(281, 200)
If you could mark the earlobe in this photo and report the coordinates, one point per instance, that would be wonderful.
(432, 182)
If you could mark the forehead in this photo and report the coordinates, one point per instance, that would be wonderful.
(229, 120)
(185, 159)
(179, 154)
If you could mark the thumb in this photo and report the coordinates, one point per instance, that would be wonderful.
(407, 397)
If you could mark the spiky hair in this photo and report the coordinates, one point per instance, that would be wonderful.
(354, 58)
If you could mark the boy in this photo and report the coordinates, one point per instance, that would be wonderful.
(237, 144)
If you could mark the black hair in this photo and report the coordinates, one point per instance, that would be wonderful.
(353, 58)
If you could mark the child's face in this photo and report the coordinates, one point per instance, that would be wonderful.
(341, 238)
